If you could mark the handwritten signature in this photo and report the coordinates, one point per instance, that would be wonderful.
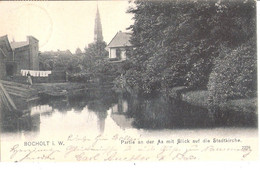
(84, 149)
(20, 154)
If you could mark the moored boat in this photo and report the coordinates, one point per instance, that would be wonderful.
(53, 94)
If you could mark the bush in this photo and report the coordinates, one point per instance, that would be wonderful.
(80, 77)
(234, 75)
(198, 75)
(176, 42)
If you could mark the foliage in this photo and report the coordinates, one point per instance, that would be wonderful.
(80, 77)
(61, 61)
(234, 74)
(176, 42)
(96, 49)
(81, 66)
(78, 51)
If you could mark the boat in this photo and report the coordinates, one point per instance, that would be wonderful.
(53, 94)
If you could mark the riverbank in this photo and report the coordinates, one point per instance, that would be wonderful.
(200, 98)
(71, 88)
(194, 97)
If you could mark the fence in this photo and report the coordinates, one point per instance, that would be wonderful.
(35, 73)
(58, 77)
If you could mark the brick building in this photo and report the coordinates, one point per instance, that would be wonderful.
(17, 56)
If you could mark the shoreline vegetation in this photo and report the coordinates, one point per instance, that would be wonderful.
(200, 98)
(203, 53)
(193, 97)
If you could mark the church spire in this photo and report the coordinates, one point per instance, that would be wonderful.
(98, 28)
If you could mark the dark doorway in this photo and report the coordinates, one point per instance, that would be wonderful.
(9, 69)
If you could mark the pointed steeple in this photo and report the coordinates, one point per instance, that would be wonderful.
(98, 28)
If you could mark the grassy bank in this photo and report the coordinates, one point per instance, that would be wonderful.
(200, 98)
(197, 98)
(244, 105)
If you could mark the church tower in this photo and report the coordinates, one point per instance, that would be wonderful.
(98, 37)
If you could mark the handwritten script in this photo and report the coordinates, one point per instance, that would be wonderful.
(127, 148)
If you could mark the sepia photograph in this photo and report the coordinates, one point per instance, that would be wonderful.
(137, 80)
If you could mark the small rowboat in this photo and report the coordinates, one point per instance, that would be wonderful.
(51, 95)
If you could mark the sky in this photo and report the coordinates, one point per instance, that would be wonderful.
(62, 25)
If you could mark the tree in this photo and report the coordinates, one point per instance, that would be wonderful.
(78, 51)
(96, 49)
(234, 74)
(60, 60)
(176, 42)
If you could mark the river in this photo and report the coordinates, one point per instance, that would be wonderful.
(107, 112)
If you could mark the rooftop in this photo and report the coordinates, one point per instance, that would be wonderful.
(121, 39)
(4, 41)
(15, 45)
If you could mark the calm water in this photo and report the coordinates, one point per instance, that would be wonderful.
(106, 111)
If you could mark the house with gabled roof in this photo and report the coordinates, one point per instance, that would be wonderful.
(118, 45)
(17, 56)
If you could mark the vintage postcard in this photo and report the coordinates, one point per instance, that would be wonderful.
(167, 80)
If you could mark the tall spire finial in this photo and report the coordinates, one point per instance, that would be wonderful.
(98, 28)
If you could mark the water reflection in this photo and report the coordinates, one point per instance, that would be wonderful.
(41, 109)
(98, 111)
(25, 123)
(158, 113)
(119, 114)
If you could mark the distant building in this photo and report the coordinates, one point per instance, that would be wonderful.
(98, 37)
(58, 53)
(17, 56)
(117, 46)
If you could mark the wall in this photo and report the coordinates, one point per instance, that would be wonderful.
(2, 66)
(27, 56)
(22, 57)
(112, 53)
(5, 54)
(34, 52)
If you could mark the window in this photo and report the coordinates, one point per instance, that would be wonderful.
(118, 53)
